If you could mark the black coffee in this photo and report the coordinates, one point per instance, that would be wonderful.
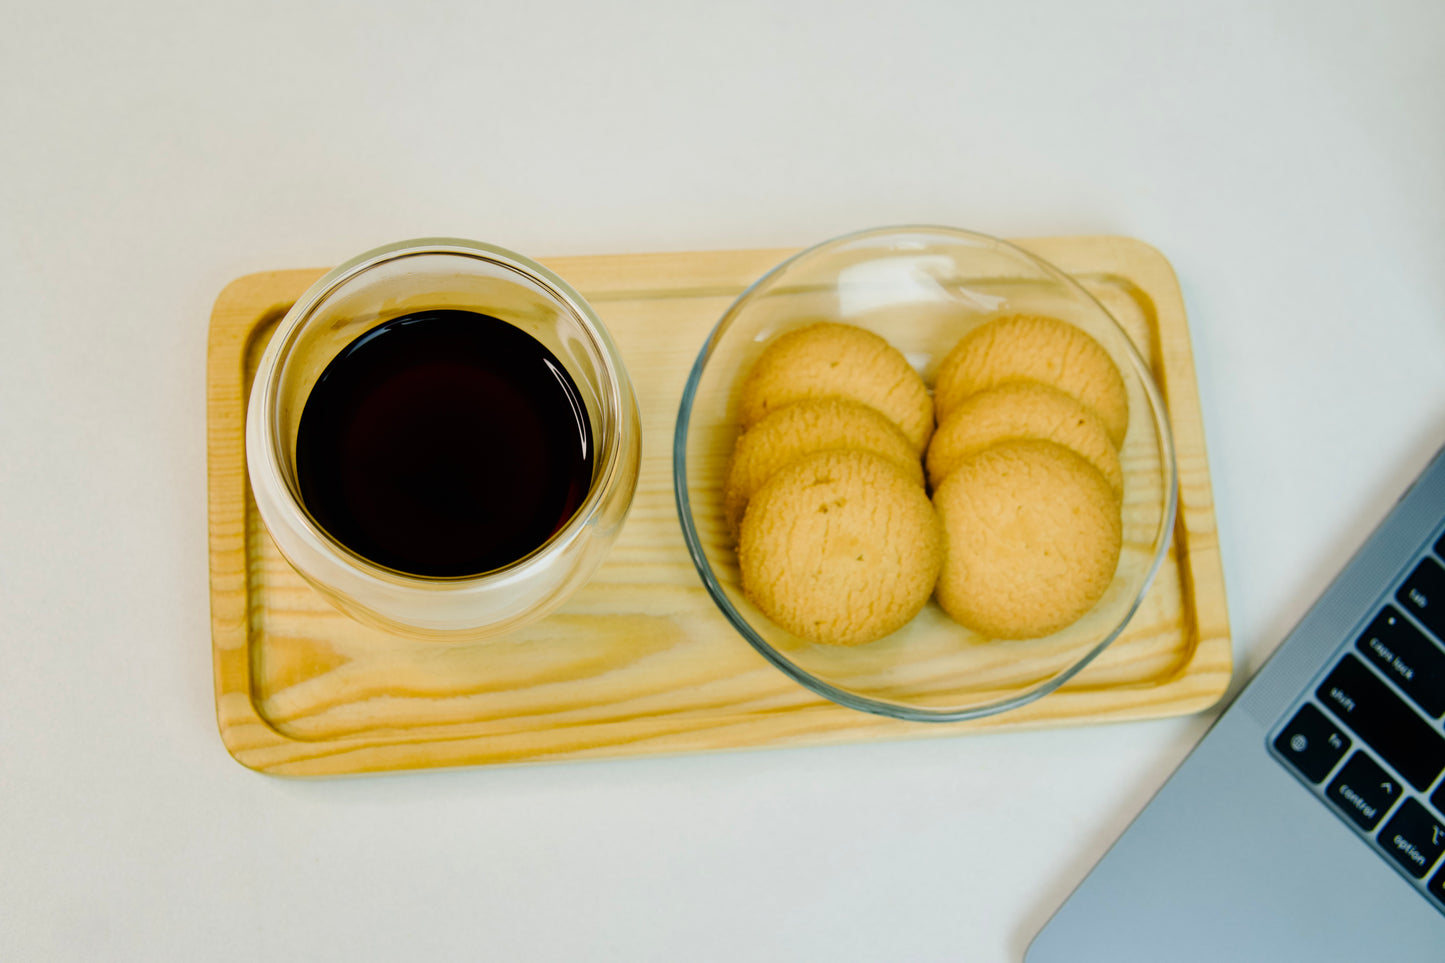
(444, 444)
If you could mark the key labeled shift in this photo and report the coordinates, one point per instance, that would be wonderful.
(1357, 697)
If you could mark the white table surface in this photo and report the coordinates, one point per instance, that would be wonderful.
(1288, 157)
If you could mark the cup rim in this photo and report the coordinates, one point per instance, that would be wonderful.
(822, 687)
(262, 425)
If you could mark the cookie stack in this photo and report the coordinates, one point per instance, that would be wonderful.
(837, 540)
(1026, 475)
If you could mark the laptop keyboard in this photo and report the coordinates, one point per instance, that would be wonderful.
(1368, 739)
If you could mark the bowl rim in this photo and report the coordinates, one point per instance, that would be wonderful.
(797, 673)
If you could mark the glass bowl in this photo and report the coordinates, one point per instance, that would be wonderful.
(921, 289)
(423, 275)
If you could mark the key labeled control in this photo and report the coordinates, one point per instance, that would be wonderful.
(1312, 743)
(1363, 791)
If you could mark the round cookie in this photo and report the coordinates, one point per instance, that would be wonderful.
(1023, 409)
(806, 427)
(1029, 348)
(1033, 533)
(827, 359)
(840, 547)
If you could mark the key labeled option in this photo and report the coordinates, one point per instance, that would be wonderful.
(1407, 658)
(1312, 743)
(1413, 838)
(1363, 791)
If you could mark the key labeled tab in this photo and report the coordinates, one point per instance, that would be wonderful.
(1357, 697)
(1423, 595)
(1413, 838)
(1312, 743)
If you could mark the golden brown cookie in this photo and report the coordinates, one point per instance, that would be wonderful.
(840, 547)
(1030, 348)
(837, 360)
(803, 428)
(1033, 533)
(1024, 409)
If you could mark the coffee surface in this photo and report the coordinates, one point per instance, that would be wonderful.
(444, 443)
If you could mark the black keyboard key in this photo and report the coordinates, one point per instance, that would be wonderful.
(1437, 885)
(1423, 595)
(1407, 658)
(1414, 838)
(1363, 791)
(1312, 743)
(1379, 717)
(1438, 800)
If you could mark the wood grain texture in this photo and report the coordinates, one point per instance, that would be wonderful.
(640, 660)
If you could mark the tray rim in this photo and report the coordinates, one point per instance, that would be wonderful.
(1199, 679)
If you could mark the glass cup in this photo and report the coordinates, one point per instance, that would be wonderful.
(401, 279)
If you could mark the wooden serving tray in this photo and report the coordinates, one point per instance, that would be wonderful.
(640, 660)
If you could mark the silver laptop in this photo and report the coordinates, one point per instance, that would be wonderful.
(1309, 824)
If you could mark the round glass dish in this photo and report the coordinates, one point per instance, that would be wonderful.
(921, 289)
(422, 275)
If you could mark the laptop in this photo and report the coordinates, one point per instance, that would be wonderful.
(1309, 823)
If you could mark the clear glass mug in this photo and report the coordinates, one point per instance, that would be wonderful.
(420, 275)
